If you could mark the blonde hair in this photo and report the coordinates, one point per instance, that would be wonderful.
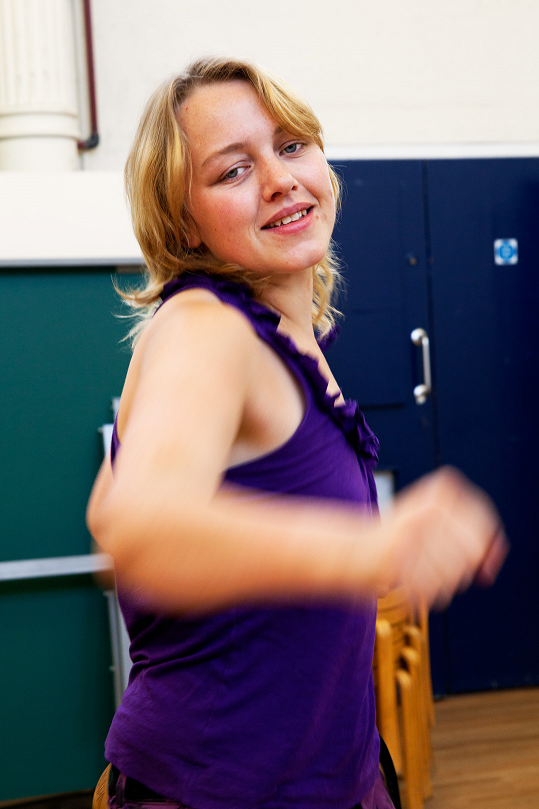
(157, 176)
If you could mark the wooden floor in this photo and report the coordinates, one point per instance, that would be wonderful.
(486, 751)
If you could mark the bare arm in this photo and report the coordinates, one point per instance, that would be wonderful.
(189, 544)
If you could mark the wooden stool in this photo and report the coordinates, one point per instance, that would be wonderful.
(401, 668)
(101, 792)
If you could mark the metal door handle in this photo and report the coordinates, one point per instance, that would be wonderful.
(420, 338)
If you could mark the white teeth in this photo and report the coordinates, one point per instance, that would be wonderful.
(293, 218)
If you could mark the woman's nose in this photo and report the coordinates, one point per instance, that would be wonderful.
(277, 179)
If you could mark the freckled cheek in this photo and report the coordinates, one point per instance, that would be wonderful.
(225, 230)
(234, 222)
(216, 220)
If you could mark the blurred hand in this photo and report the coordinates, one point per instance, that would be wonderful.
(442, 534)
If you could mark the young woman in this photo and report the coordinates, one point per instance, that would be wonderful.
(241, 510)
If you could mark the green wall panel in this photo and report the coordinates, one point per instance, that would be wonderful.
(55, 686)
(61, 361)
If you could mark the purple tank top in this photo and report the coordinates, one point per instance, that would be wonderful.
(256, 708)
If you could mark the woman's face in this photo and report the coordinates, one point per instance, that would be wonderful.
(260, 197)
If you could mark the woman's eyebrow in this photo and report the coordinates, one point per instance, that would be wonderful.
(240, 146)
(232, 147)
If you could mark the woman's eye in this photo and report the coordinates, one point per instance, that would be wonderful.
(292, 148)
(234, 173)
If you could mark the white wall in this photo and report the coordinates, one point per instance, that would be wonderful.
(376, 71)
(408, 78)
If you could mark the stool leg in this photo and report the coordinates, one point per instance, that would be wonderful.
(423, 624)
(386, 692)
(412, 773)
(417, 643)
(413, 664)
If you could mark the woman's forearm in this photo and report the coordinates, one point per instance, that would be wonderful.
(240, 547)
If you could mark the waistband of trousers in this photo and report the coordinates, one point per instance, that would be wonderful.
(133, 790)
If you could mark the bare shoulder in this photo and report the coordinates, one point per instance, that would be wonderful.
(202, 317)
(193, 331)
(183, 402)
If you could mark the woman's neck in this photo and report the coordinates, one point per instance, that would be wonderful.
(292, 296)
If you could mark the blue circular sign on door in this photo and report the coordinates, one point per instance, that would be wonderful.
(506, 251)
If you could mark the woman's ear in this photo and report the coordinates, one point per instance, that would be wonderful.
(193, 240)
(192, 235)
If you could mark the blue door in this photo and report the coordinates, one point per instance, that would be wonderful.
(381, 237)
(418, 241)
(484, 238)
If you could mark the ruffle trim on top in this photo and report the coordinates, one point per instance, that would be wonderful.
(347, 415)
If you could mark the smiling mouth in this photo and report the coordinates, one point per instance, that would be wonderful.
(287, 219)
